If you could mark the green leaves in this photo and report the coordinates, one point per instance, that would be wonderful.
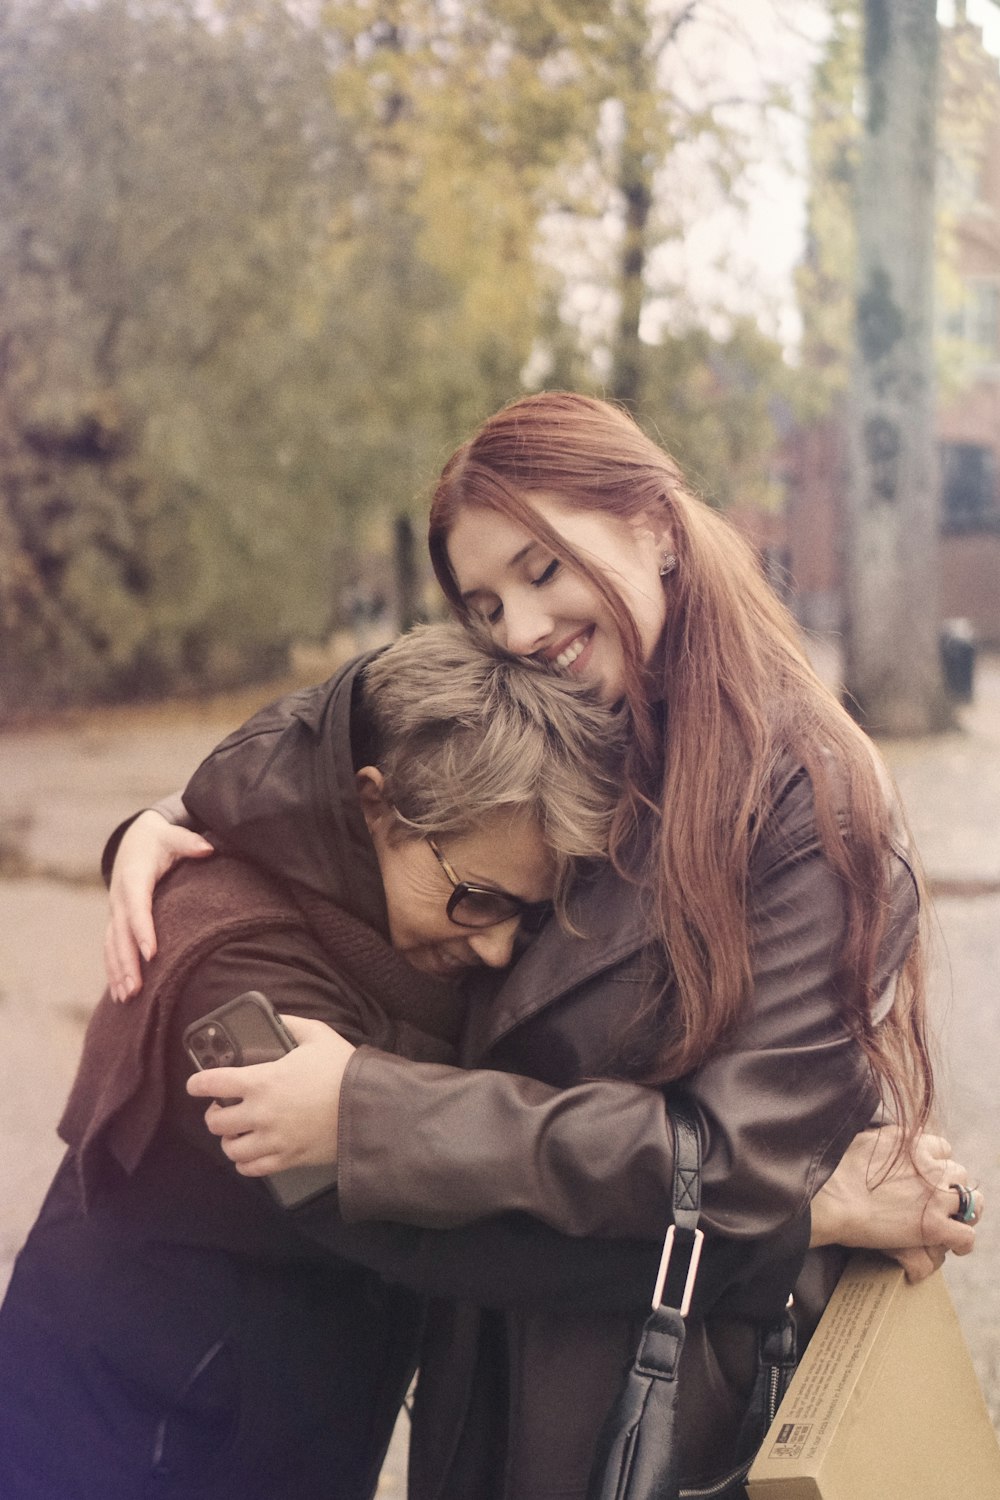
(262, 265)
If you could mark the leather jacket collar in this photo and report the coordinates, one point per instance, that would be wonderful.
(608, 912)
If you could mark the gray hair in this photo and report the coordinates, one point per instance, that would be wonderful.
(466, 731)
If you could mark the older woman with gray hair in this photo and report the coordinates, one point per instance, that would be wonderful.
(169, 1329)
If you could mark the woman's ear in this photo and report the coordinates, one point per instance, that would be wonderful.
(370, 783)
(652, 527)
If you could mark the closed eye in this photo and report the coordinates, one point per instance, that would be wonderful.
(495, 615)
(546, 576)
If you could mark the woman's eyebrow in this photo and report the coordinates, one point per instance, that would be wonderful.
(511, 563)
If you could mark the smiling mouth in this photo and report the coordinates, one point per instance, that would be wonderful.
(568, 655)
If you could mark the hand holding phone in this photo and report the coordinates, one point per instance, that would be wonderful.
(246, 1031)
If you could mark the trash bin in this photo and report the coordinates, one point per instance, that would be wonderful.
(958, 658)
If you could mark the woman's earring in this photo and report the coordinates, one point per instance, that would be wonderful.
(668, 563)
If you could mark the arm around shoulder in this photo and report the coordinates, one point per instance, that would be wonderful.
(141, 852)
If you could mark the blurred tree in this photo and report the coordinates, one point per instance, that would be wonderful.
(893, 667)
(825, 276)
(436, 250)
(891, 573)
(250, 252)
(262, 263)
(639, 36)
(163, 185)
(719, 401)
(656, 123)
(493, 118)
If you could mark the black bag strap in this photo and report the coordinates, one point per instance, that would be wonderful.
(682, 1245)
(636, 1454)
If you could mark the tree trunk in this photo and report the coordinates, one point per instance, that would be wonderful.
(407, 576)
(893, 669)
(636, 164)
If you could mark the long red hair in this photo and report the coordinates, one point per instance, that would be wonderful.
(740, 697)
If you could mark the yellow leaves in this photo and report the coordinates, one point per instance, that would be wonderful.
(477, 229)
(717, 398)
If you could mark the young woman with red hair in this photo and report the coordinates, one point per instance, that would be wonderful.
(560, 496)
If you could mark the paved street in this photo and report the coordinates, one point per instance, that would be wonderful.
(62, 788)
(951, 789)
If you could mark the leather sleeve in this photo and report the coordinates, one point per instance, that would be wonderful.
(512, 1261)
(440, 1146)
(507, 1261)
(778, 1104)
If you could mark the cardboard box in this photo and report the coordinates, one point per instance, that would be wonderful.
(885, 1404)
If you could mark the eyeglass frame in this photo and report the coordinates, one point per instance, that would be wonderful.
(532, 915)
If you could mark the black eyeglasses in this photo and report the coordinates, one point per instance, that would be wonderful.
(481, 906)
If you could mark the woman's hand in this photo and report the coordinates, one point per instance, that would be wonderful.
(286, 1111)
(907, 1213)
(149, 848)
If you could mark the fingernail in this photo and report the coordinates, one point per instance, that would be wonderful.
(146, 951)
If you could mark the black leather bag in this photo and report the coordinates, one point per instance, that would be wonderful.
(636, 1455)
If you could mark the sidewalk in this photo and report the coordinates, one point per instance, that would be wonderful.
(951, 789)
(950, 783)
(62, 788)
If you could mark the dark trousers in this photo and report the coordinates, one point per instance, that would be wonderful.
(136, 1368)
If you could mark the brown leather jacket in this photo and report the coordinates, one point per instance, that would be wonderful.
(778, 1106)
(511, 1396)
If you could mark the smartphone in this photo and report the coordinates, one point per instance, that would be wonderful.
(244, 1031)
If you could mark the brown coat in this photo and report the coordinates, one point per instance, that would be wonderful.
(319, 1349)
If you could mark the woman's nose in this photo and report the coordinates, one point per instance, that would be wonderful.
(494, 946)
(527, 627)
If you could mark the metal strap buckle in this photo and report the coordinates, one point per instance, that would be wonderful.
(692, 1270)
